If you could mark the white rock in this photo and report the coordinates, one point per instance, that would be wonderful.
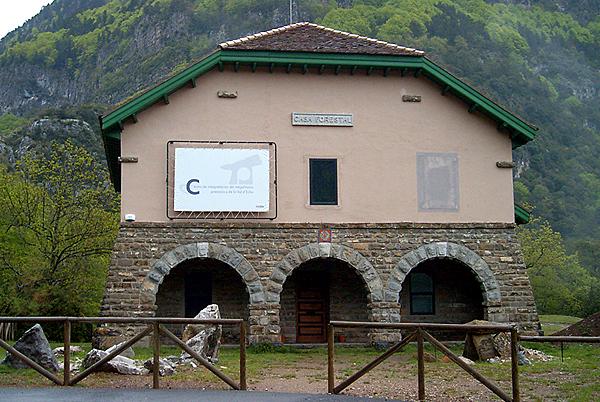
(61, 350)
(119, 364)
(127, 352)
(204, 339)
(466, 360)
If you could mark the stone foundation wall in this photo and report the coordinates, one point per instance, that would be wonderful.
(265, 255)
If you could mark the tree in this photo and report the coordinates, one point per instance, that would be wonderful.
(57, 226)
(560, 284)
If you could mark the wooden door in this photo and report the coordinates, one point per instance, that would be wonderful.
(312, 312)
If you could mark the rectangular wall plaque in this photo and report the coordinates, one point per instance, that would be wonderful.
(322, 119)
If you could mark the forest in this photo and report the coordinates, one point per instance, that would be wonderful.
(539, 58)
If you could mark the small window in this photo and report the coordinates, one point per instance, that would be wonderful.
(437, 181)
(323, 182)
(421, 294)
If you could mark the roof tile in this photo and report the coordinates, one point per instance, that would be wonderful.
(308, 37)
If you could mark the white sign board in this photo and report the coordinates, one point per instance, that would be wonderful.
(322, 119)
(221, 179)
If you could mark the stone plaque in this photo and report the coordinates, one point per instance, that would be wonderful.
(322, 119)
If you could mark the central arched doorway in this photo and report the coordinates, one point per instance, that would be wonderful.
(320, 290)
(194, 284)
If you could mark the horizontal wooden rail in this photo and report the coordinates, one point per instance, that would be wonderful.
(126, 320)
(571, 339)
(153, 326)
(415, 325)
(418, 332)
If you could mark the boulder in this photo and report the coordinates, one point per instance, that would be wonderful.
(34, 345)
(120, 364)
(126, 353)
(523, 360)
(204, 339)
(165, 367)
(105, 337)
(480, 345)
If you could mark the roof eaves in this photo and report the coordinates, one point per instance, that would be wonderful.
(111, 123)
(155, 93)
(522, 216)
(526, 131)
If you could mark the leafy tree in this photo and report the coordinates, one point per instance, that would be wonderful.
(57, 229)
(560, 284)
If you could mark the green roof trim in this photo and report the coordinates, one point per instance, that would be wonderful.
(158, 93)
(521, 132)
(521, 215)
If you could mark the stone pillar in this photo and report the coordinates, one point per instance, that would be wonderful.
(264, 323)
(384, 312)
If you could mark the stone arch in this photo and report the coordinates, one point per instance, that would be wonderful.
(324, 250)
(457, 252)
(171, 259)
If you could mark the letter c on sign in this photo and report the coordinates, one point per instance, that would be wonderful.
(189, 184)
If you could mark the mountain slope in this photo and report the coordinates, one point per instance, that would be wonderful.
(539, 58)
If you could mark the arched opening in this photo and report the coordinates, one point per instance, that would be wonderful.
(320, 290)
(441, 290)
(195, 283)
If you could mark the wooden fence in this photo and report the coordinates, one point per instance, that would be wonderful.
(154, 327)
(419, 332)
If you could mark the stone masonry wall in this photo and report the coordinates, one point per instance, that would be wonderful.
(265, 255)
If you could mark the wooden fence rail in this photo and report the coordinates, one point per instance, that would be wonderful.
(154, 327)
(561, 340)
(419, 332)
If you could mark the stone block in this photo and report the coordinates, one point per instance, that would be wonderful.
(202, 249)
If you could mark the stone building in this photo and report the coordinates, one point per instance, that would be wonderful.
(304, 174)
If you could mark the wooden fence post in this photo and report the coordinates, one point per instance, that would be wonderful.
(330, 357)
(243, 385)
(514, 358)
(420, 364)
(67, 353)
(156, 356)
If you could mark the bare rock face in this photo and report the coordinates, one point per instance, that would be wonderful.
(34, 345)
(120, 364)
(204, 339)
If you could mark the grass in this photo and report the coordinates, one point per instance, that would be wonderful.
(574, 379)
(555, 323)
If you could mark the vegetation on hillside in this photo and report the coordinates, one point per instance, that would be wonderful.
(560, 284)
(57, 228)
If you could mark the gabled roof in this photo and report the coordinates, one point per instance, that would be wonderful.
(306, 47)
(313, 38)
